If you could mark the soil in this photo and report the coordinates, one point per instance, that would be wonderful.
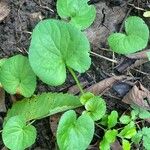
(15, 36)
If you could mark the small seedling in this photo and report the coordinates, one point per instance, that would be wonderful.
(135, 38)
(77, 12)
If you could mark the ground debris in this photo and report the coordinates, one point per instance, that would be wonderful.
(138, 95)
(4, 10)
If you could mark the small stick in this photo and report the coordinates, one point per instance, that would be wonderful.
(98, 55)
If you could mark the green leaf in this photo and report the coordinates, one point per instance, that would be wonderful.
(16, 76)
(128, 131)
(135, 39)
(86, 97)
(79, 12)
(148, 54)
(146, 14)
(141, 112)
(126, 145)
(73, 133)
(56, 45)
(112, 119)
(125, 119)
(104, 120)
(137, 137)
(146, 137)
(110, 136)
(43, 105)
(133, 115)
(104, 145)
(17, 135)
(95, 107)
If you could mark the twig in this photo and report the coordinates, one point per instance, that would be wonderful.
(98, 55)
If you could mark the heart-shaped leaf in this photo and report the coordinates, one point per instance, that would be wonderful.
(17, 135)
(16, 76)
(55, 45)
(96, 108)
(135, 39)
(79, 12)
(73, 133)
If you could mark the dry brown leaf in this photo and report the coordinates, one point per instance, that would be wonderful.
(139, 55)
(104, 85)
(75, 90)
(116, 146)
(138, 95)
(4, 10)
(2, 100)
(54, 123)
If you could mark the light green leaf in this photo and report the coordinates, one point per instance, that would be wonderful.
(17, 135)
(146, 137)
(135, 39)
(73, 133)
(141, 112)
(126, 145)
(148, 54)
(55, 45)
(79, 12)
(125, 119)
(110, 136)
(95, 107)
(128, 131)
(133, 115)
(104, 145)
(137, 137)
(16, 76)
(43, 105)
(112, 119)
(86, 97)
(146, 14)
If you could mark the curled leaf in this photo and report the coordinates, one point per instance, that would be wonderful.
(138, 95)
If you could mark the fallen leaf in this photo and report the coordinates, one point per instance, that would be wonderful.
(75, 90)
(54, 123)
(138, 95)
(104, 85)
(116, 146)
(4, 10)
(139, 55)
(2, 100)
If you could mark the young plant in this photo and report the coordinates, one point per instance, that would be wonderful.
(128, 132)
(77, 12)
(135, 38)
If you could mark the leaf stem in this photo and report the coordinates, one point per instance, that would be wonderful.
(76, 79)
